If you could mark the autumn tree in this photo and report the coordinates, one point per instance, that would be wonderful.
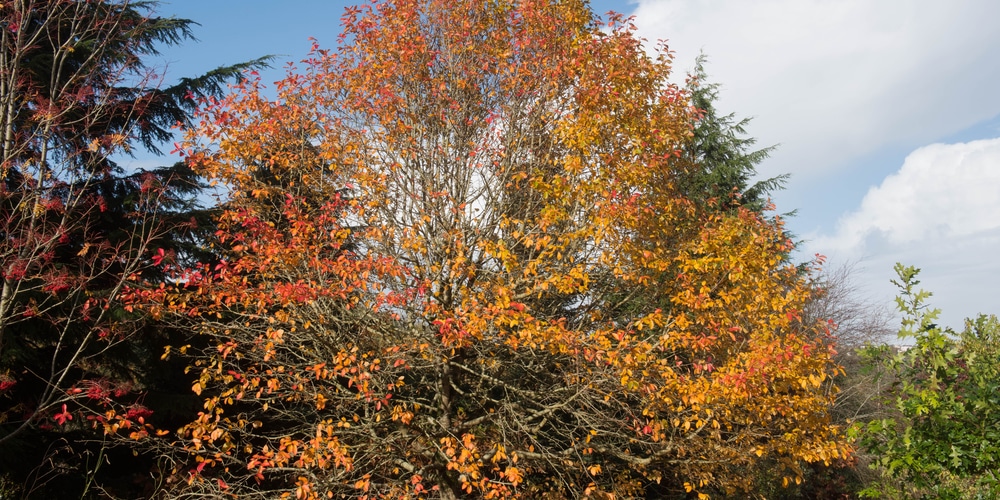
(854, 321)
(76, 97)
(458, 261)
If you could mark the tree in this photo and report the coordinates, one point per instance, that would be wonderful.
(943, 439)
(458, 261)
(856, 322)
(75, 94)
(722, 164)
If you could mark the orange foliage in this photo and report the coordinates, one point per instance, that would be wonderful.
(456, 263)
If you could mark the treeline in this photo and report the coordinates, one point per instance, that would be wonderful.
(477, 249)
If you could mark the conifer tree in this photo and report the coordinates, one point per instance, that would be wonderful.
(723, 161)
(77, 96)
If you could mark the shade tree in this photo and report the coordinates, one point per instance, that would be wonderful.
(458, 260)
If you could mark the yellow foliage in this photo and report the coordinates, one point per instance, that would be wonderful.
(459, 237)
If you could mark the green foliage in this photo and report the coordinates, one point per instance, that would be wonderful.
(945, 439)
(721, 154)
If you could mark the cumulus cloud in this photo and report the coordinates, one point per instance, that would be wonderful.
(941, 191)
(940, 211)
(834, 80)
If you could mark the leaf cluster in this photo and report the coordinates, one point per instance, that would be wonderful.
(946, 396)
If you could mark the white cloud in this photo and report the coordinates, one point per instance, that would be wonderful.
(940, 212)
(831, 81)
(942, 191)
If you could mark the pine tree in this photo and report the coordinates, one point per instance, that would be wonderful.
(76, 94)
(723, 161)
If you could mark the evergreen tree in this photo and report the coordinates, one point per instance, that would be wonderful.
(75, 227)
(723, 161)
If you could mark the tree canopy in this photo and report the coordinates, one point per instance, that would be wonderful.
(722, 162)
(459, 260)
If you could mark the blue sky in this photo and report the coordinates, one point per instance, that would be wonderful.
(886, 113)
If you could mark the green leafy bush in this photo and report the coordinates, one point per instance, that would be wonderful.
(944, 440)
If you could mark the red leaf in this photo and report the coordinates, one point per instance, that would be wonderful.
(61, 418)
